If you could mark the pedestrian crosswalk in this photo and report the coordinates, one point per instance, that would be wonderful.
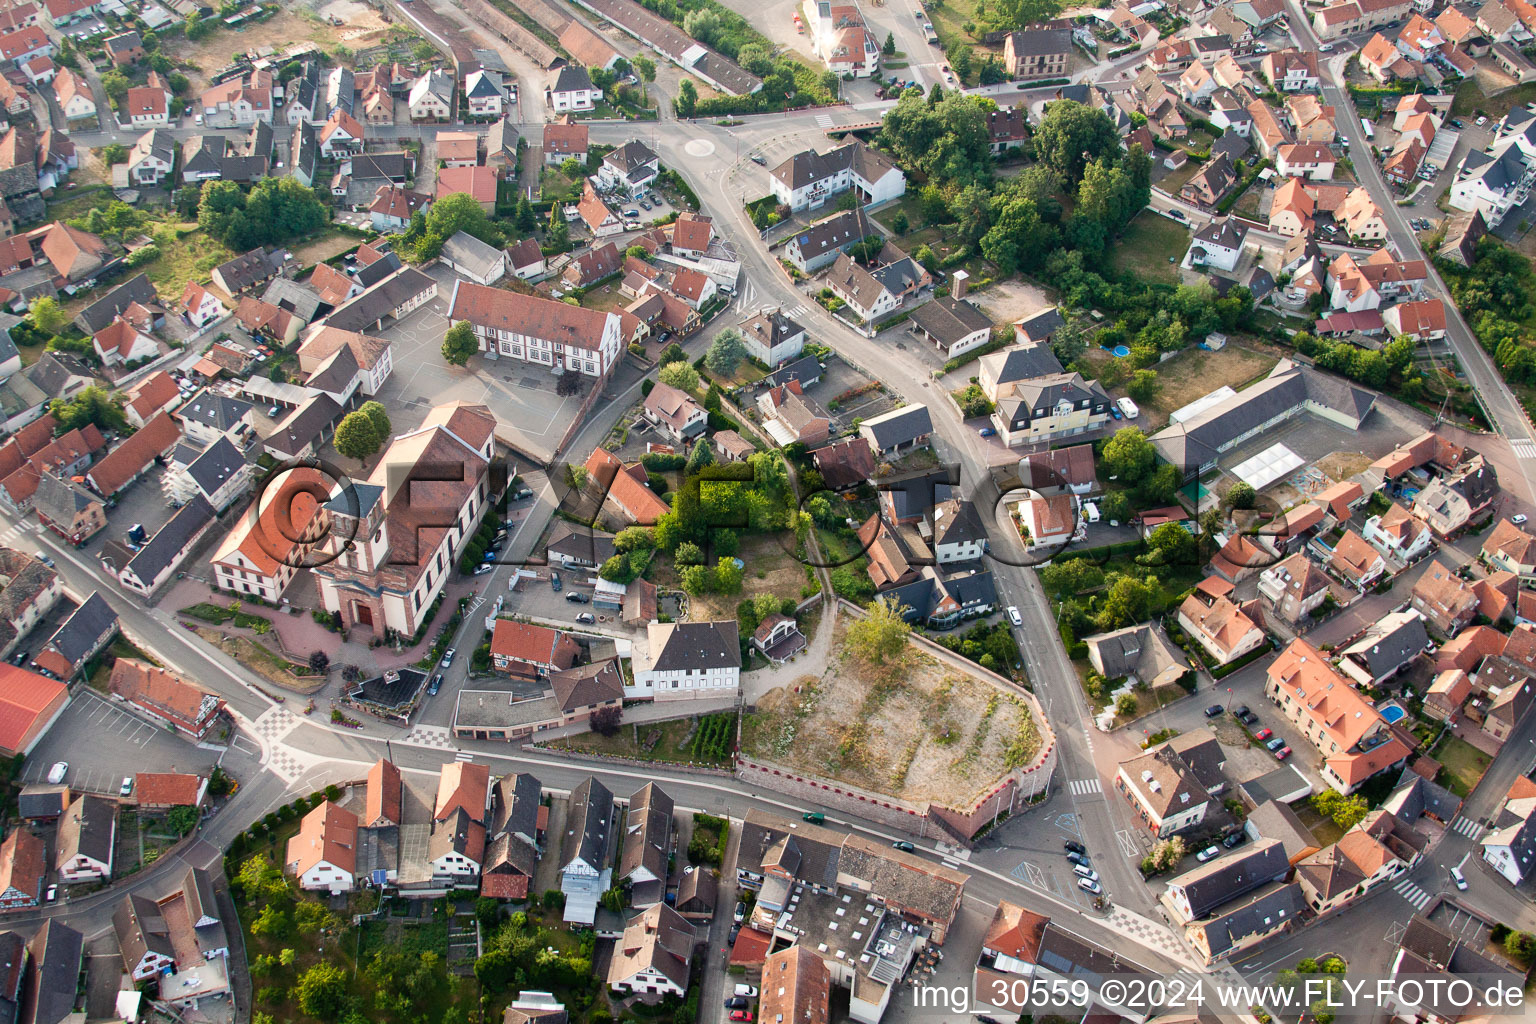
(1084, 787)
(823, 120)
(1411, 892)
(1524, 449)
(794, 311)
(10, 533)
(1468, 827)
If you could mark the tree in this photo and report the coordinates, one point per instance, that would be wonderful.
(272, 923)
(1128, 454)
(680, 375)
(695, 580)
(1125, 705)
(686, 103)
(889, 49)
(1167, 853)
(1116, 506)
(460, 343)
(1170, 544)
(944, 136)
(93, 405)
(568, 383)
(1073, 136)
(181, 819)
(1520, 945)
(379, 417)
(287, 956)
(559, 235)
(116, 85)
(727, 576)
(47, 315)
(356, 437)
(1072, 576)
(1345, 811)
(322, 991)
(726, 352)
(688, 553)
(1143, 386)
(572, 168)
(1242, 496)
(1127, 602)
(195, 27)
(961, 63)
(319, 661)
(114, 153)
(673, 353)
(881, 636)
(527, 220)
(699, 456)
(633, 538)
(605, 721)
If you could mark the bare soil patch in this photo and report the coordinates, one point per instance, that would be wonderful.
(1195, 373)
(290, 26)
(1007, 301)
(920, 731)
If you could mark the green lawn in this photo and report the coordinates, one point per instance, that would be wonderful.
(1470, 99)
(1147, 244)
(1461, 764)
(189, 258)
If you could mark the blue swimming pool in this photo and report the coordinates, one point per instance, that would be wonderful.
(1121, 350)
(1393, 712)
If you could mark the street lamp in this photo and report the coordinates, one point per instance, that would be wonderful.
(1229, 698)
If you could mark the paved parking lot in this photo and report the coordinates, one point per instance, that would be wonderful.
(1044, 865)
(103, 743)
(522, 395)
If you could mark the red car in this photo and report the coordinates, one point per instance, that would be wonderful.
(1282, 753)
(1262, 735)
(742, 1015)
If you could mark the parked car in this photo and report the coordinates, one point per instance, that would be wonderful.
(1074, 847)
(814, 817)
(745, 990)
(576, 598)
(53, 894)
(1083, 871)
(448, 657)
(1282, 753)
(742, 1015)
(986, 432)
(554, 580)
(1519, 519)
(1014, 616)
(904, 846)
(57, 772)
(435, 685)
(1248, 718)
(1209, 853)
(1078, 858)
(586, 618)
(1276, 743)
(1235, 840)
(736, 1003)
(735, 931)
(757, 158)
(484, 567)
(1263, 734)
(1089, 885)
(1213, 711)
(126, 787)
(1481, 121)
(741, 912)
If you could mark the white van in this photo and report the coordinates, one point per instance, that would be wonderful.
(1128, 408)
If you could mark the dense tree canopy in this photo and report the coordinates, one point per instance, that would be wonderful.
(275, 210)
(946, 140)
(1072, 136)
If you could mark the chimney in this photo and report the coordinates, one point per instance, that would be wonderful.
(959, 283)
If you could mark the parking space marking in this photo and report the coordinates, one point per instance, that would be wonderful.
(1127, 843)
(1068, 824)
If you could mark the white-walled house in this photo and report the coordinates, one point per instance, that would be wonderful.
(200, 306)
(687, 660)
(323, 856)
(808, 179)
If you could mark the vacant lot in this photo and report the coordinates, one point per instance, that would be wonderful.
(918, 731)
(1148, 243)
(1010, 300)
(322, 247)
(295, 24)
(1470, 99)
(1195, 373)
(1461, 764)
(190, 258)
(771, 568)
(652, 741)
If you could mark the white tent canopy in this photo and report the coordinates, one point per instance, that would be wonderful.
(1273, 463)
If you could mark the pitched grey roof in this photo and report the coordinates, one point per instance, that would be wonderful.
(42, 801)
(247, 270)
(301, 429)
(86, 625)
(688, 646)
(806, 369)
(304, 150)
(367, 309)
(59, 501)
(371, 167)
(299, 299)
(214, 467)
(900, 426)
(1418, 796)
(810, 166)
(571, 78)
(1263, 913)
(515, 804)
(166, 546)
(215, 411)
(948, 319)
(1388, 644)
(631, 158)
(592, 547)
(465, 250)
(101, 313)
(1274, 820)
(53, 981)
(1200, 439)
(836, 232)
(1041, 42)
(1022, 362)
(960, 524)
(1226, 233)
(1228, 877)
(203, 154)
(586, 825)
(54, 370)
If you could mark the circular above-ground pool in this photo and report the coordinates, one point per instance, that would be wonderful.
(1392, 712)
(1121, 350)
